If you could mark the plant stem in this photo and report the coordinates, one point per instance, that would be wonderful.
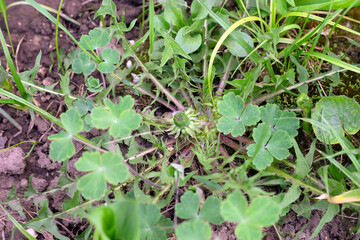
(152, 78)
(224, 78)
(294, 180)
(262, 99)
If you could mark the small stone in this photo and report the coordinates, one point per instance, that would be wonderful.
(24, 182)
(48, 81)
(3, 141)
(39, 184)
(41, 125)
(12, 161)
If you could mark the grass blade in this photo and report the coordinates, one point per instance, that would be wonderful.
(12, 67)
(334, 61)
(209, 79)
(18, 225)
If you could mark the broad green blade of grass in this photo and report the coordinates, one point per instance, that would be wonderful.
(317, 18)
(310, 5)
(334, 61)
(57, 37)
(209, 78)
(4, 13)
(151, 25)
(12, 67)
(346, 197)
(18, 225)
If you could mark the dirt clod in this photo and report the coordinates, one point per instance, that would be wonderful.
(39, 184)
(12, 161)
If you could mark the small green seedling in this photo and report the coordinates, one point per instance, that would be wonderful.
(93, 84)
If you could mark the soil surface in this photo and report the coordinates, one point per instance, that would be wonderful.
(31, 33)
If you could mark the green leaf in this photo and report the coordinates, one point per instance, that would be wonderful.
(332, 210)
(104, 168)
(120, 118)
(233, 209)
(189, 43)
(174, 12)
(83, 64)
(150, 220)
(263, 150)
(193, 229)
(97, 38)
(172, 48)
(262, 212)
(198, 12)
(210, 211)
(189, 205)
(108, 7)
(119, 220)
(235, 117)
(62, 147)
(93, 84)
(72, 121)
(333, 114)
(110, 57)
(279, 144)
(235, 47)
(280, 120)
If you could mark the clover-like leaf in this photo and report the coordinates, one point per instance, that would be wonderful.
(104, 168)
(263, 151)
(93, 84)
(262, 212)
(334, 115)
(150, 223)
(193, 229)
(189, 205)
(210, 211)
(83, 64)
(111, 57)
(62, 147)
(235, 117)
(120, 118)
(280, 120)
(97, 38)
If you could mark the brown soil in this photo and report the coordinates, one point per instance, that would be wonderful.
(32, 32)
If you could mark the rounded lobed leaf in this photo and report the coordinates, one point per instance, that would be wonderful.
(83, 64)
(72, 121)
(189, 205)
(194, 229)
(61, 147)
(332, 115)
(234, 207)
